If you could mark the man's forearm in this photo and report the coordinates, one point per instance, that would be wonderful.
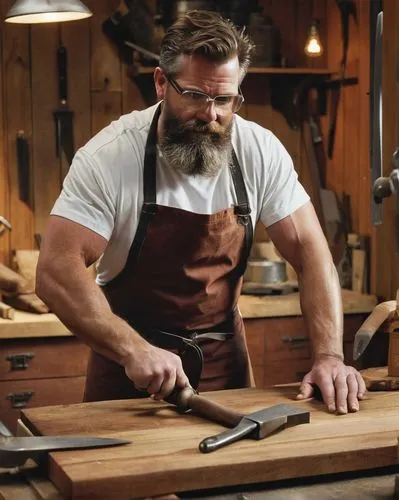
(80, 304)
(321, 304)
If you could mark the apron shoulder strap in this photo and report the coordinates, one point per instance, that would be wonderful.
(242, 210)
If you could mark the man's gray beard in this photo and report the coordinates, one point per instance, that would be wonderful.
(197, 148)
(200, 158)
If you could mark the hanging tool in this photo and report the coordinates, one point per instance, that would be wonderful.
(308, 102)
(375, 118)
(63, 116)
(347, 8)
(256, 425)
(23, 168)
(385, 186)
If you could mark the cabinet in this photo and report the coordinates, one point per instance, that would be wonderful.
(39, 372)
(280, 347)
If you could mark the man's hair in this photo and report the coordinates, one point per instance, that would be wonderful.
(205, 34)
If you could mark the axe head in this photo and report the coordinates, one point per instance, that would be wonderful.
(270, 419)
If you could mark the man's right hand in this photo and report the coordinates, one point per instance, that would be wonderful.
(156, 371)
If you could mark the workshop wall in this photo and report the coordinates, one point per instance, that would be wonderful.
(100, 89)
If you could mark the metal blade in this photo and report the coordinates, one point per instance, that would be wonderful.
(14, 451)
(376, 120)
(361, 341)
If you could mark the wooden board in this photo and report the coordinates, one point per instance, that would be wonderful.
(288, 305)
(163, 456)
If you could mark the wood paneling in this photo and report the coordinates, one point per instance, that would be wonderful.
(387, 259)
(4, 170)
(18, 117)
(100, 89)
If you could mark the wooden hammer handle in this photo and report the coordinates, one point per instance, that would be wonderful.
(188, 399)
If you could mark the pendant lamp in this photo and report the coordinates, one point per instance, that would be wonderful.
(46, 11)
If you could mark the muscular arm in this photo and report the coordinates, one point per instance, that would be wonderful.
(64, 284)
(300, 240)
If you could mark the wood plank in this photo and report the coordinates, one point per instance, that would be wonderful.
(257, 107)
(165, 444)
(106, 106)
(288, 305)
(387, 283)
(284, 16)
(105, 62)
(336, 164)
(363, 207)
(4, 175)
(18, 117)
(47, 173)
(76, 38)
(29, 325)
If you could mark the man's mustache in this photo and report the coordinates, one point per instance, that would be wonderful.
(199, 127)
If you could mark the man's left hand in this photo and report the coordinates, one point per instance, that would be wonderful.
(341, 386)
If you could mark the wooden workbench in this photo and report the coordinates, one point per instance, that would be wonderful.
(163, 455)
(29, 325)
(54, 360)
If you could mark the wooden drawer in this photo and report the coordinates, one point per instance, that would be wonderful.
(280, 348)
(255, 335)
(285, 373)
(275, 339)
(42, 358)
(286, 339)
(19, 394)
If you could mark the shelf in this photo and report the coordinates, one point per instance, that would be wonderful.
(289, 71)
(262, 70)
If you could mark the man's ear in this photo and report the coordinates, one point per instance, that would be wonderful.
(160, 83)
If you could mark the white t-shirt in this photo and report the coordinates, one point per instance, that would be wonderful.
(103, 190)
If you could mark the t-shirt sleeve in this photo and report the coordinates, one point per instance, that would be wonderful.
(86, 196)
(283, 193)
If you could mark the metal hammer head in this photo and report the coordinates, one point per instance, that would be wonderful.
(270, 419)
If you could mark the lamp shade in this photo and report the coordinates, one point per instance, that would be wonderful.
(46, 11)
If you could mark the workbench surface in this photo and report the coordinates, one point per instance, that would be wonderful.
(163, 456)
(29, 325)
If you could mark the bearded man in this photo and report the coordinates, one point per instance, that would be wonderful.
(165, 199)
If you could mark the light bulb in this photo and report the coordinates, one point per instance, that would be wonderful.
(313, 46)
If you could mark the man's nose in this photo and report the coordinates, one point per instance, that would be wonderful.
(208, 112)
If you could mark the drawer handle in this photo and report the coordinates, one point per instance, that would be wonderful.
(20, 361)
(295, 342)
(20, 399)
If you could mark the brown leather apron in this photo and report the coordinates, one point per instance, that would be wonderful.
(183, 275)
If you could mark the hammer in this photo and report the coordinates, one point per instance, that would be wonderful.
(256, 425)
